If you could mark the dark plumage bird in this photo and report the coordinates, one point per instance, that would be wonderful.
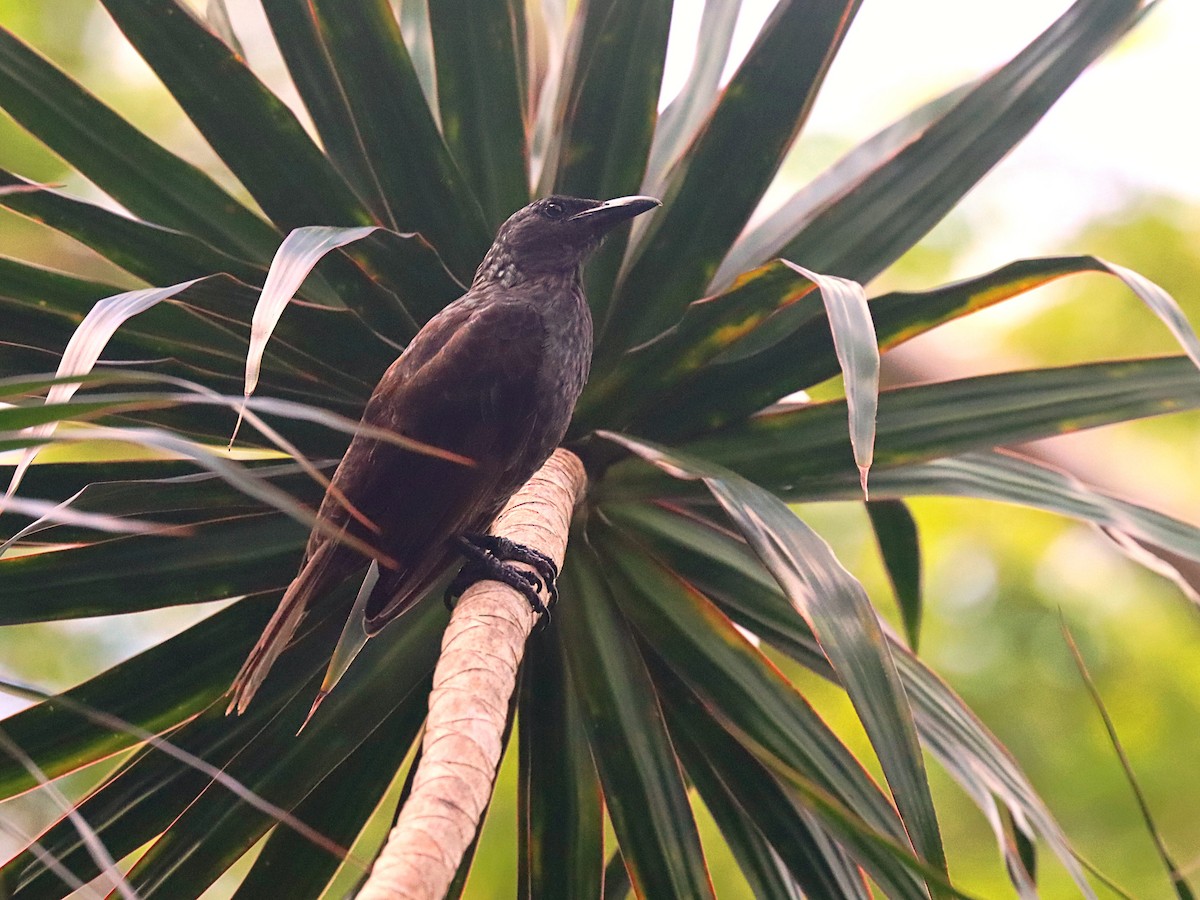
(494, 377)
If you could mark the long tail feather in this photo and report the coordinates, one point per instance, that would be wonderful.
(279, 631)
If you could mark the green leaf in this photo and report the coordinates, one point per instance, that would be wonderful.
(752, 698)
(145, 178)
(244, 555)
(786, 448)
(896, 533)
(726, 570)
(643, 786)
(423, 187)
(1178, 880)
(780, 847)
(561, 830)
(391, 678)
(767, 239)
(837, 609)
(869, 225)
(749, 132)
(148, 793)
(607, 108)
(298, 35)
(761, 309)
(1010, 478)
(250, 128)
(902, 315)
(477, 47)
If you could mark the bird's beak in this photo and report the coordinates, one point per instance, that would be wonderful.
(613, 212)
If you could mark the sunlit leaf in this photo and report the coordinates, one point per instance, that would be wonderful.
(766, 239)
(85, 347)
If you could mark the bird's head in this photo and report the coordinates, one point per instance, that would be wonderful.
(555, 235)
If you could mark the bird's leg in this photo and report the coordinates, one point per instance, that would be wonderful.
(482, 565)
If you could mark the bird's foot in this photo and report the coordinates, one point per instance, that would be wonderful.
(488, 559)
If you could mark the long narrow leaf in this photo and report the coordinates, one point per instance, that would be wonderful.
(424, 188)
(85, 347)
(729, 572)
(837, 609)
(151, 252)
(264, 145)
(561, 835)
(298, 35)
(607, 110)
(867, 227)
(678, 123)
(643, 786)
(147, 179)
(767, 239)
(477, 48)
(762, 110)
(927, 421)
(896, 533)
(295, 258)
(1178, 881)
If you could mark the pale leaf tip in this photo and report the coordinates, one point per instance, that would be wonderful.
(863, 472)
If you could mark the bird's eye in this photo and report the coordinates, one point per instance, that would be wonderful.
(554, 210)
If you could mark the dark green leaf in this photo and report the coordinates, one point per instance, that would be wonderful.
(340, 805)
(896, 533)
(838, 611)
(154, 254)
(687, 111)
(424, 189)
(477, 48)
(561, 821)
(607, 107)
(760, 113)
(298, 36)
(224, 559)
(643, 786)
(147, 179)
(780, 847)
(751, 697)
(149, 792)
(869, 225)
(783, 449)
(251, 129)
(903, 315)
(726, 569)
(390, 678)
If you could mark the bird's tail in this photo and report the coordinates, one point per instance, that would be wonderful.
(279, 631)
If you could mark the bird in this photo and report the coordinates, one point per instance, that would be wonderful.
(493, 377)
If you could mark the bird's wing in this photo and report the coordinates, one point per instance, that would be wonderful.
(475, 394)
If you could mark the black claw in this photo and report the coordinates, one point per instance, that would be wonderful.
(487, 560)
(511, 551)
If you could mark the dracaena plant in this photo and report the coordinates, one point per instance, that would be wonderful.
(645, 692)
